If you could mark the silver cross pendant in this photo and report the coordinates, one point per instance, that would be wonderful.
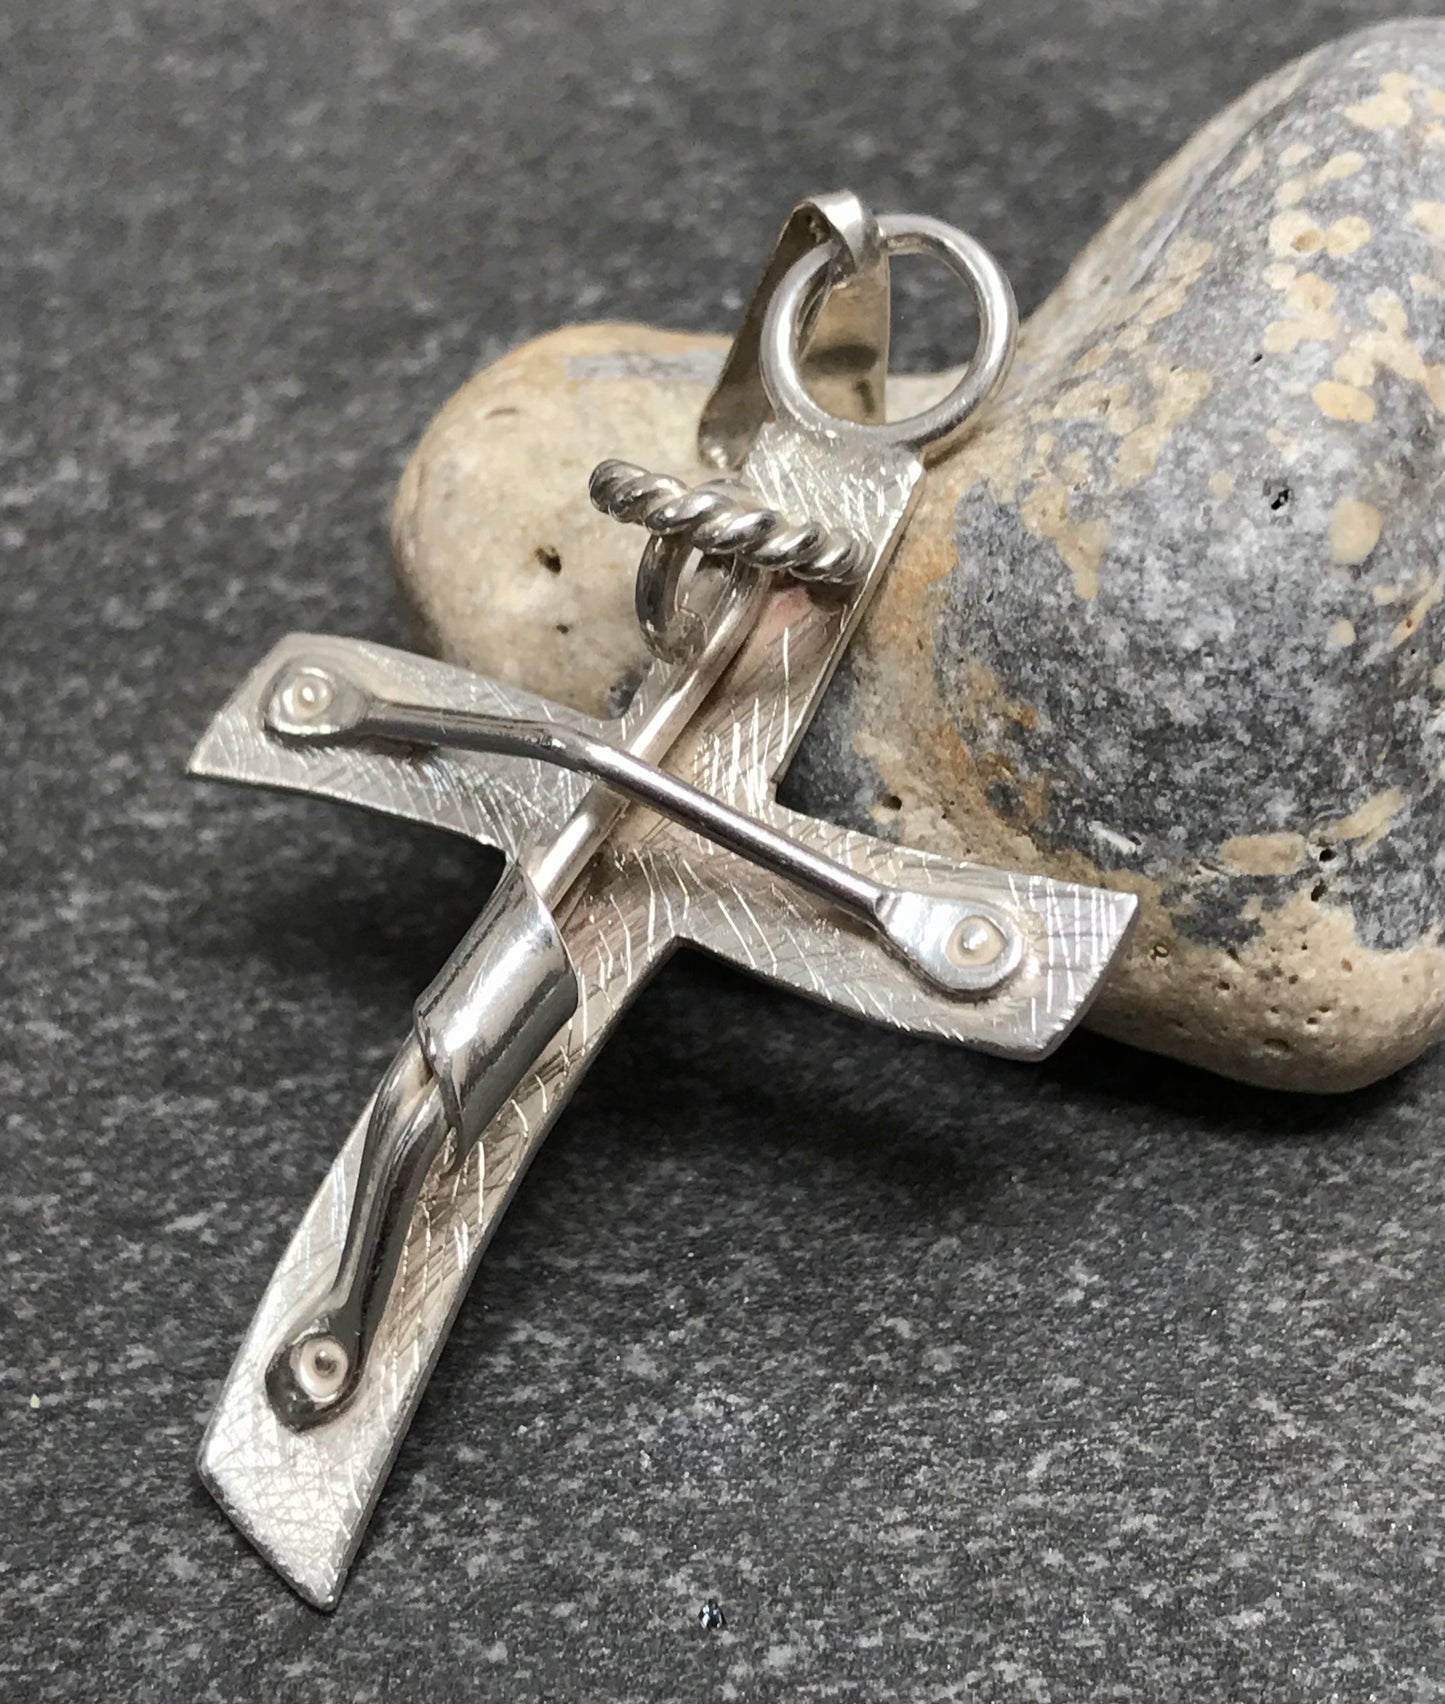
(624, 839)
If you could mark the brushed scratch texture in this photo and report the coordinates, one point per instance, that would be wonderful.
(510, 803)
(304, 1497)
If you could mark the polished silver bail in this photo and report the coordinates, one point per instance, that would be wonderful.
(845, 336)
(796, 302)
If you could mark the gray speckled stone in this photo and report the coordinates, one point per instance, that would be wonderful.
(1185, 632)
(949, 1380)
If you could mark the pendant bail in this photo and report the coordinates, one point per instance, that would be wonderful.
(845, 344)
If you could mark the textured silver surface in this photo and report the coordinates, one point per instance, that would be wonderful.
(304, 1497)
(509, 803)
(927, 930)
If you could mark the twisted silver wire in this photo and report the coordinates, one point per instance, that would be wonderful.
(721, 518)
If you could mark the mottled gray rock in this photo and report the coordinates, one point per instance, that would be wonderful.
(1169, 620)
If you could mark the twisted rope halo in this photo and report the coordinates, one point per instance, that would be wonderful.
(721, 518)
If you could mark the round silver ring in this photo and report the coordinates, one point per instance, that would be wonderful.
(673, 629)
(934, 428)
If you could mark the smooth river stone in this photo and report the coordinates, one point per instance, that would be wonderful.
(1170, 620)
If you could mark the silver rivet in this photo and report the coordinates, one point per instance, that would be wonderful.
(307, 694)
(321, 1366)
(976, 942)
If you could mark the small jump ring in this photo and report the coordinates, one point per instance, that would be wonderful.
(930, 431)
(673, 628)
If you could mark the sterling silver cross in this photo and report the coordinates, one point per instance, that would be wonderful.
(624, 839)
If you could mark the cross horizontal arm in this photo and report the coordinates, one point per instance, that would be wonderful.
(1070, 934)
(713, 898)
(961, 948)
(509, 803)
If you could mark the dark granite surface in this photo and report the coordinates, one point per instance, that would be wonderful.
(948, 1380)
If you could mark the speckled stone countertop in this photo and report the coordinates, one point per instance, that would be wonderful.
(946, 1379)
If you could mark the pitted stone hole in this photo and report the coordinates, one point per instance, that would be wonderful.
(1275, 1044)
(1256, 359)
(1326, 854)
(548, 558)
(1317, 893)
(1278, 495)
(1346, 966)
(891, 803)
